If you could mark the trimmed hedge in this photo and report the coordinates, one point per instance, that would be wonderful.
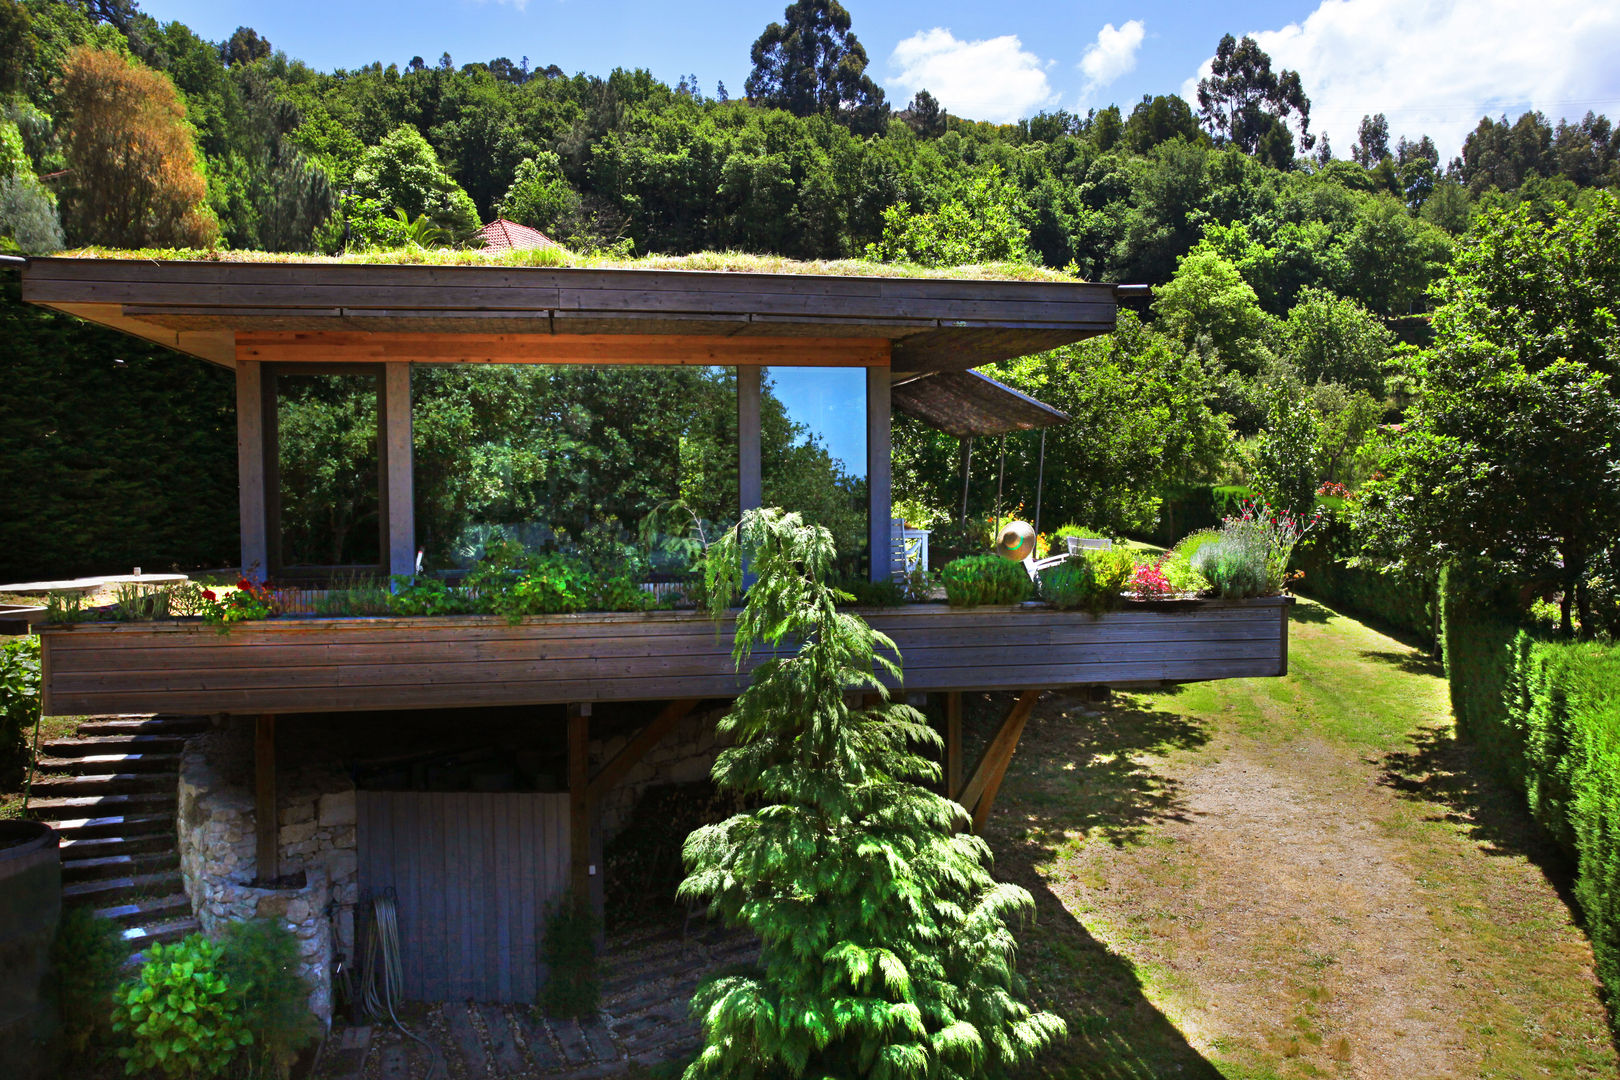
(1546, 716)
(1188, 509)
(1409, 603)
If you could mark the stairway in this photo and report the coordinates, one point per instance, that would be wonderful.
(110, 791)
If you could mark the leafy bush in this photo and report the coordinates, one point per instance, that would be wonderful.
(510, 581)
(1071, 584)
(985, 579)
(1149, 583)
(427, 596)
(619, 593)
(179, 1014)
(1113, 568)
(19, 705)
(1080, 532)
(259, 960)
(86, 961)
(863, 592)
(573, 984)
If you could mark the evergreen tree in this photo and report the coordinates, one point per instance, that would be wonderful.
(885, 949)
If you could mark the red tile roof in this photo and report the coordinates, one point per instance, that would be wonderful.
(503, 235)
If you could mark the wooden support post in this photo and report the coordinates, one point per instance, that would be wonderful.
(266, 820)
(250, 469)
(880, 538)
(579, 802)
(750, 484)
(980, 791)
(636, 749)
(953, 744)
(394, 442)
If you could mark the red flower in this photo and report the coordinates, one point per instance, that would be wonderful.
(208, 594)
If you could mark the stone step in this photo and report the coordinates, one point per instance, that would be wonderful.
(160, 932)
(144, 725)
(118, 826)
(58, 808)
(68, 785)
(138, 912)
(112, 866)
(95, 847)
(103, 891)
(167, 764)
(80, 746)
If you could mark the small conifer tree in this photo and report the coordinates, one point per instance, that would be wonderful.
(885, 949)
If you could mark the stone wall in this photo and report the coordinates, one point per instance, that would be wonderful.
(684, 755)
(216, 827)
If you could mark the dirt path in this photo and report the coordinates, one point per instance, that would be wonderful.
(1286, 878)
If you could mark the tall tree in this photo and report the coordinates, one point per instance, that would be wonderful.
(135, 177)
(885, 949)
(812, 63)
(1372, 141)
(925, 115)
(1247, 104)
(1159, 118)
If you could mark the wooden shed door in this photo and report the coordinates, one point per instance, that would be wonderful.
(472, 875)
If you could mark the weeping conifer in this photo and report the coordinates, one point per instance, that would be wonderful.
(885, 947)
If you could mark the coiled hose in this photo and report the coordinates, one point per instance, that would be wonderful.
(378, 995)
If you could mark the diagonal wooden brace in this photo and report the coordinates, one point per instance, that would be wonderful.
(979, 793)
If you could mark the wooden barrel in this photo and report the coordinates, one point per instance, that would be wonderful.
(30, 904)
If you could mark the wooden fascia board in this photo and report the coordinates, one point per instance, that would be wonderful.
(215, 346)
(451, 348)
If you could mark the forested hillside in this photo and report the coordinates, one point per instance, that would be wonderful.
(1288, 276)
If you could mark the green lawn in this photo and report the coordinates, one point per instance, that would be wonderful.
(1291, 877)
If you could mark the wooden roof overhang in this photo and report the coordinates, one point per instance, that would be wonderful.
(354, 313)
(970, 403)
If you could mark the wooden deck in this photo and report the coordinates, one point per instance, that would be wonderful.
(329, 665)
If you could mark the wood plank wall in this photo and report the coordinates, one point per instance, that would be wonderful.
(472, 874)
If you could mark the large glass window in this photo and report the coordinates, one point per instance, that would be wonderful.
(326, 499)
(813, 452)
(634, 466)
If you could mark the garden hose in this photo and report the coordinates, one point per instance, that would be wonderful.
(379, 1003)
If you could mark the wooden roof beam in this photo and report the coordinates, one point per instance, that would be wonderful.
(351, 347)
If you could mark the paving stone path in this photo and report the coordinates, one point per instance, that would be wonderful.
(647, 985)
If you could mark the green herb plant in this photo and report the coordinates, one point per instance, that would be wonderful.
(1071, 584)
(974, 580)
(885, 945)
(179, 1015)
(258, 959)
(1113, 568)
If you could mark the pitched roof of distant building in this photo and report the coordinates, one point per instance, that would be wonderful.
(504, 235)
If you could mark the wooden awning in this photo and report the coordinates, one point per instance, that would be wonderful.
(358, 312)
(967, 403)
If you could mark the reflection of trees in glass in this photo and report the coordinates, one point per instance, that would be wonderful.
(568, 456)
(798, 473)
(327, 449)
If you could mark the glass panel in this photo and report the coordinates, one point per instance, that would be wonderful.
(813, 452)
(327, 451)
(631, 466)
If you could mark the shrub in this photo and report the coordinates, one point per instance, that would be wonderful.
(1149, 583)
(86, 961)
(427, 596)
(1071, 584)
(573, 986)
(511, 582)
(1236, 565)
(19, 706)
(1113, 569)
(179, 1014)
(865, 593)
(619, 593)
(259, 962)
(985, 579)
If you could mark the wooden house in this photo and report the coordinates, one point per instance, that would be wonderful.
(906, 341)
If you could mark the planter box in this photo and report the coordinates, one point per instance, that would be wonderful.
(333, 665)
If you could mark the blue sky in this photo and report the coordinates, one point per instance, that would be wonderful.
(1433, 67)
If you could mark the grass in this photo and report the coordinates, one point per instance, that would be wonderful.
(1297, 877)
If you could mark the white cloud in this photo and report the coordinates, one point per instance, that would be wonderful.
(995, 79)
(1113, 54)
(1434, 67)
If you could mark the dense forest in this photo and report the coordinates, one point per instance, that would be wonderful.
(1290, 282)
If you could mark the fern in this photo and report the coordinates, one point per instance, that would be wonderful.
(885, 947)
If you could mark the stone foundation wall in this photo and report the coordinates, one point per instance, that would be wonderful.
(684, 755)
(316, 810)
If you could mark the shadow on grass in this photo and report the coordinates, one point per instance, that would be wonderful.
(1075, 772)
(1448, 774)
(1417, 663)
(1310, 613)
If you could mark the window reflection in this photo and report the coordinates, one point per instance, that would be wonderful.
(813, 452)
(326, 454)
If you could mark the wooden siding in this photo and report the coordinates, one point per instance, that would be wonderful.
(471, 875)
(331, 665)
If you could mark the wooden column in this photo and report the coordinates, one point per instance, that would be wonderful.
(750, 486)
(266, 820)
(396, 495)
(250, 469)
(579, 802)
(879, 532)
(953, 744)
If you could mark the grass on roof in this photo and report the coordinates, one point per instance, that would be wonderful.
(723, 261)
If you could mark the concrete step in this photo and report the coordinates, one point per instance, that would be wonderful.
(112, 866)
(79, 746)
(158, 933)
(69, 784)
(167, 764)
(95, 847)
(144, 725)
(63, 807)
(120, 826)
(103, 891)
(139, 912)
